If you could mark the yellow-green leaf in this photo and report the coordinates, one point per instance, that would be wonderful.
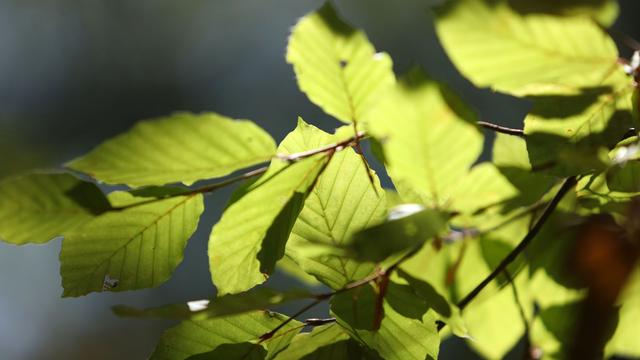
(251, 235)
(180, 148)
(429, 139)
(35, 208)
(524, 54)
(336, 66)
(135, 248)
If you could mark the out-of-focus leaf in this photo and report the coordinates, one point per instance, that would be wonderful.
(497, 47)
(135, 248)
(336, 66)
(232, 304)
(291, 268)
(193, 337)
(625, 339)
(603, 11)
(35, 208)
(429, 139)
(234, 351)
(180, 148)
(381, 241)
(512, 160)
(571, 134)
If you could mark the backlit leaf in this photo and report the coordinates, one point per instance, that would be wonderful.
(336, 66)
(35, 208)
(429, 139)
(192, 337)
(572, 133)
(251, 235)
(343, 201)
(496, 47)
(180, 148)
(135, 248)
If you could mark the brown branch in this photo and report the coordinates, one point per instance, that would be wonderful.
(568, 184)
(501, 129)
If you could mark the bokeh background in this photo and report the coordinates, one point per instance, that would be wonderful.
(74, 73)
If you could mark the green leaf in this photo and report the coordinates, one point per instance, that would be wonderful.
(135, 248)
(603, 11)
(398, 338)
(251, 235)
(512, 160)
(235, 351)
(343, 202)
(35, 208)
(496, 47)
(194, 337)
(324, 342)
(232, 304)
(183, 147)
(291, 268)
(571, 134)
(336, 66)
(378, 242)
(429, 139)
(625, 339)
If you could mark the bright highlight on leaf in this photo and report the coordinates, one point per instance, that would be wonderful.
(35, 208)
(336, 66)
(494, 46)
(135, 248)
(180, 148)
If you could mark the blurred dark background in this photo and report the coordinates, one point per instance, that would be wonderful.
(74, 73)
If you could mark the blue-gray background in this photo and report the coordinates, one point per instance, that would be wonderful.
(73, 73)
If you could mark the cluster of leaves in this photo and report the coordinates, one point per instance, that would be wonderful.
(401, 264)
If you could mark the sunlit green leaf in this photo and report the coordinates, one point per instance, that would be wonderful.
(625, 339)
(256, 299)
(603, 11)
(336, 66)
(180, 148)
(134, 248)
(343, 201)
(571, 134)
(35, 208)
(497, 47)
(398, 338)
(429, 139)
(251, 235)
(512, 160)
(324, 342)
(291, 268)
(194, 337)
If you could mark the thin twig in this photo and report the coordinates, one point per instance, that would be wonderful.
(553, 204)
(379, 274)
(501, 129)
(331, 147)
